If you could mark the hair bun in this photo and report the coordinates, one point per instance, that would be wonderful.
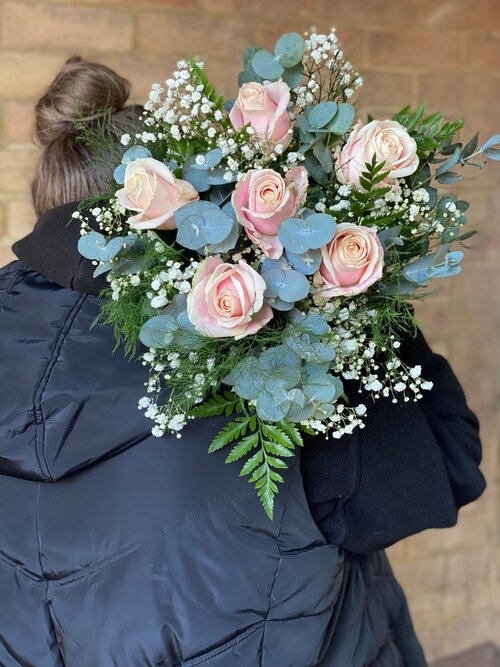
(82, 92)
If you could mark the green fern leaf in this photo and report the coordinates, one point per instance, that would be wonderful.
(259, 472)
(276, 434)
(275, 462)
(277, 449)
(252, 462)
(216, 405)
(230, 432)
(266, 495)
(243, 447)
(292, 432)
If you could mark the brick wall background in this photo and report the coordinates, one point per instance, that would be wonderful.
(443, 52)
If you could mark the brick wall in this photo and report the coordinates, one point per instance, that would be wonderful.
(443, 52)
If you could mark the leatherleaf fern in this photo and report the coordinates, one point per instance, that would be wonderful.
(261, 446)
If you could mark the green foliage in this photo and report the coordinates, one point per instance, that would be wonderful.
(246, 433)
(129, 313)
(126, 316)
(393, 318)
(199, 77)
(430, 132)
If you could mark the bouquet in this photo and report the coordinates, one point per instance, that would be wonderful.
(268, 248)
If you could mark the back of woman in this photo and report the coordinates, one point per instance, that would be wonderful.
(120, 548)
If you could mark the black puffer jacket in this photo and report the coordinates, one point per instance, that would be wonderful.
(117, 548)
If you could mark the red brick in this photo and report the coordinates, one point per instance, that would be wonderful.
(6, 254)
(21, 217)
(386, 88)
(481, 15)
(18, 119)
(187, 36)
(16, 170)
(483, 52)
(24, 76)
(261, 11)
(415, 49)
(182, 5)
(28, 26)
(373, 13)
(486, 655)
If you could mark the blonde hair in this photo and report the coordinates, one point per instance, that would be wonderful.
(84, 97)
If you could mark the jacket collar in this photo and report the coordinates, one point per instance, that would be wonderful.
(51, 249)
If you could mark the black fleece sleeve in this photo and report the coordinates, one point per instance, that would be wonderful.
(411, 468)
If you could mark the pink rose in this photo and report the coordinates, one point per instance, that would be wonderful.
(387, 140)
(227, 300)
(352, 261)
(263, 199)
(155, 193)
(265, 109)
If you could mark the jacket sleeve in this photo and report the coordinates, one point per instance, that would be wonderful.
(411, 468)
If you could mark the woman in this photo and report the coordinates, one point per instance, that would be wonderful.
(119, 548)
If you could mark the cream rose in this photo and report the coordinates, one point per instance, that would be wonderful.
(155, 193)
(227, 300)
(265, 108)
(351, 262)
(387, 140)
(263, 199)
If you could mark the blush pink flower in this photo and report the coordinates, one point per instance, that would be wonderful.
(227, 300)
(265, 108)
(351, 262)
(263, 199)
(155, 193)
(387, 141)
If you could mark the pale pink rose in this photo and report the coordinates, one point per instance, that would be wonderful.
(263, 199)
(265, 109)
(388, 141)
(227, 300)
(155, 193)
(352, 261)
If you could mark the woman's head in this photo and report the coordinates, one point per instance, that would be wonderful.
(83, 99)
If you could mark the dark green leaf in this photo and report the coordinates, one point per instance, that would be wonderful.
(243, 447)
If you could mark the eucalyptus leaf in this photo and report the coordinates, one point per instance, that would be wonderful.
(158, 331)
(321, 114)
(300, 235)
(119, 174)
(307, 262)
(299, 413)
(278, 357)
(136, 153)
(290, 49)
(315, 169)
(293, 76)
(343, 119)
(266, 65)
(492, 141)
(272, 407)
(450, 162)
(249, 378)
(311, 323)
(448, 178)
(323, 388)
(324, 156)
(202, 223)
(492, 153)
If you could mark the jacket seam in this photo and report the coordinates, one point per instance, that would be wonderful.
(354, 489)
(10, 285)
(37, 400)
(19, 568)
(136, 546)
(280, 554)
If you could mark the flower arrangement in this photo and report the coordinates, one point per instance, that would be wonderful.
(266, 249)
